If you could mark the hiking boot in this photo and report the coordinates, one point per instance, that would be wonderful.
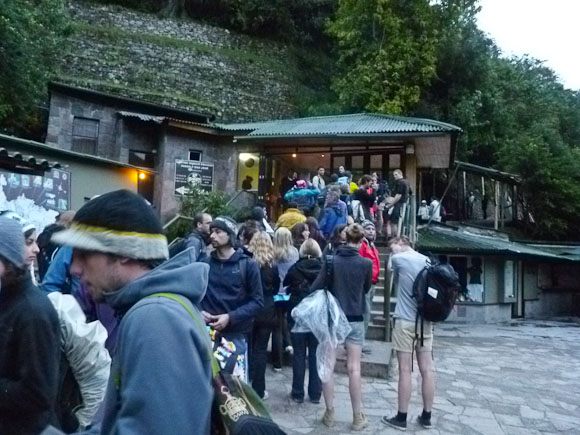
(425, 422)
(328, 418)
(393, 422)
(359, 422)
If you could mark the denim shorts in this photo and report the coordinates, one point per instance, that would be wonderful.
(357, 333)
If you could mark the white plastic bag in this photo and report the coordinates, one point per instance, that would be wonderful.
(320, 313)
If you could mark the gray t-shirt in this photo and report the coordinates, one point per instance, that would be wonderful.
(406, 267)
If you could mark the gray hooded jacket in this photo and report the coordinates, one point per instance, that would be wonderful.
(160, 379)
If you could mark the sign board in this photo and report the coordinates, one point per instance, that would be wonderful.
(188, 172)
(51, 191)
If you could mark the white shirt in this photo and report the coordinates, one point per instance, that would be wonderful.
(318, 182)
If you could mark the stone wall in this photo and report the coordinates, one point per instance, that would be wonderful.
(179, 63)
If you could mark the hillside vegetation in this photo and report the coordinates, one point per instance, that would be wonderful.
(266, 59)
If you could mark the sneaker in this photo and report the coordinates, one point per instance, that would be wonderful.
(277, 369)
(328, 418)
(266, 396)
(315, 401)
(297, 399)
(393, 422)
(426, 423)
(359, 422)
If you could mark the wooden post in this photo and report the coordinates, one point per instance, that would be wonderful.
(514, 203)
(464, 197)
(496, 214)
(502, 204)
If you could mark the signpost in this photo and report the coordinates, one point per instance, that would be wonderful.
(188, 172)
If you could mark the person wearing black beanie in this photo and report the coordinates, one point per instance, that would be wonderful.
(119, 253)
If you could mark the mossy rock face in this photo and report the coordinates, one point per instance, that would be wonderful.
(182, 64)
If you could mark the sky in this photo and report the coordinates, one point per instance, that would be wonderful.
(548, 30)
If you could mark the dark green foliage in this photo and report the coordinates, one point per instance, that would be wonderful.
(30, 33)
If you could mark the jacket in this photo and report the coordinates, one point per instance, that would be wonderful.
(29, 359)
(226, 293)
(84, 346)
(303, 197)
(160, 379)
(198, 242)
(370, 252)
(299, 279)
(270, 286)
(290, 217)
(333, 216)
(351, 280)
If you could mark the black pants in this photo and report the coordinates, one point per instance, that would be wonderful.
(280, 339)
(301, 342)
(260, 337)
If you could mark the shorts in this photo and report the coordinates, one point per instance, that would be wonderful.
(404, 336)
(394, 216)
(357, 333)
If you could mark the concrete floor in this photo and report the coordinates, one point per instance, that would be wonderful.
(516, 378)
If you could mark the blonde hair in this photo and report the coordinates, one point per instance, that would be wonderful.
(310, 248)
(262, 248)
(283, 245)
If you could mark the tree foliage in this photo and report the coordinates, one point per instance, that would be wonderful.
(386, 52)
(30, 33)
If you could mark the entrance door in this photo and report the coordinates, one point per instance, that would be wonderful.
(366, 163)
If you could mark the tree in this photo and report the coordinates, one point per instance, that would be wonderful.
(386, 53)
(30, 33)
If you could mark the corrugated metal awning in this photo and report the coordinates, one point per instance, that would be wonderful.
(142, 117)
(444, 239)
(17, 160)
(356, 124)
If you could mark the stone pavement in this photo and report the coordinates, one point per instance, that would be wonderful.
(516, 378)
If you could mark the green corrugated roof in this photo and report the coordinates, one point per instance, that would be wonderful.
(450, 240)
(356, 124)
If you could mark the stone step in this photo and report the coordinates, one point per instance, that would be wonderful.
(376, 364)
(376, 332)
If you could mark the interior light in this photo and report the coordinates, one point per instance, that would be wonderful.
(294, 155)
(142, 175)
(322, 155)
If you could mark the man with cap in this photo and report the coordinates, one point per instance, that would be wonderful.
(423, 212)
(369, 250)
(233, 298)
(29, 342)
(161, 371)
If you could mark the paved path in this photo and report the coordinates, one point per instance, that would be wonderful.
(517, 378)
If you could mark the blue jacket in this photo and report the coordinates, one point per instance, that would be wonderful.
(57, 277)
(333, 216)
(303, 197)
(161, 372)
(227, 294)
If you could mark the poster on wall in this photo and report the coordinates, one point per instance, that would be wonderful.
(248, 172)
(36, 198)
(188, 172)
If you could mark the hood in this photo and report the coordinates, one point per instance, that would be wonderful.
(234, 258)
(340, 208)
(180, 275)
(346, 251)
(309, 267)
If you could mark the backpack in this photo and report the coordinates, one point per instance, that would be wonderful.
(435, 290)
(69, 398)
(176, 246)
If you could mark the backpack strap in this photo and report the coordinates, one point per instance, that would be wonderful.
(244, 271)
(214, 364)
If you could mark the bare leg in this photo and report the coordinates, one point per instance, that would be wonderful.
(328, 387)
(353, 355)
(404, 392)
(425, 361)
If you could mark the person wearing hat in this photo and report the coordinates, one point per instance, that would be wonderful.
(29, 342)
(233, 298)
(369, 250)
(290, 217)
(423, 212)
(161, 370)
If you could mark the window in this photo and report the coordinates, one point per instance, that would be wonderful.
(85, 135)
(471, 277)
(195, 155)
(143, 159)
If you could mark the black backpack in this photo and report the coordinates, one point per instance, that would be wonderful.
(435, 290)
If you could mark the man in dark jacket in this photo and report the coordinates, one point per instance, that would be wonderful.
(199, 237)
(29, 343)
(163, 356)
(234, 296)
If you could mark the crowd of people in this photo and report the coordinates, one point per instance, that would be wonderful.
(110, 288)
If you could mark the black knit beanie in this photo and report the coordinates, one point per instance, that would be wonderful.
(119, 222)
(227, 224)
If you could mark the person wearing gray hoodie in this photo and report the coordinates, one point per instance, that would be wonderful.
(160, 379)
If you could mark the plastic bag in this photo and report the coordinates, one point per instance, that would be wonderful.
(320, 313)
